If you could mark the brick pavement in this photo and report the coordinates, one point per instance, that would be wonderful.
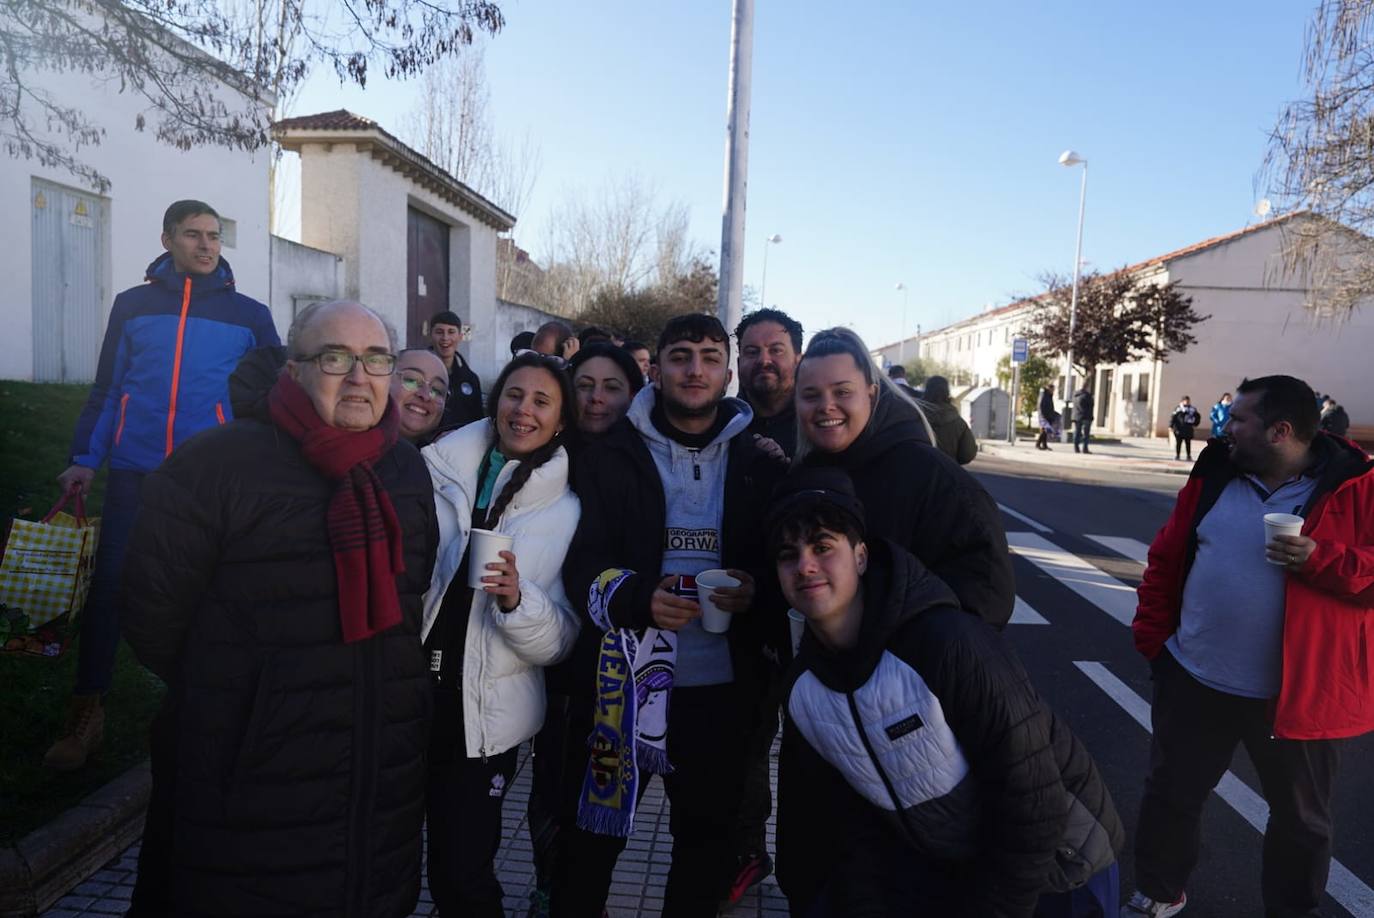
(636, 889)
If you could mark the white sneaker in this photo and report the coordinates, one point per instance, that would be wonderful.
(1141, 904)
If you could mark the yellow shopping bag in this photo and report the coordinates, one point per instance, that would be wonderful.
(45, 573)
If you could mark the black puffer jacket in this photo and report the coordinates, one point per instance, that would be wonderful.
(922, 500)
(921, 774)
(300, 769)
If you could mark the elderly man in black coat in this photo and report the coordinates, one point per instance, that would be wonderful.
(274, 580)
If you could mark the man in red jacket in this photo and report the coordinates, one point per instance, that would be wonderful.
(1257, 642)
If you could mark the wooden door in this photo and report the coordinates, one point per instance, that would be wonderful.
(426, 274)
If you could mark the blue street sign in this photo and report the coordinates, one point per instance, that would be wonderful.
(1020, 350)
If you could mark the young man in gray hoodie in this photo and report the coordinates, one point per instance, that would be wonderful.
(676, 488)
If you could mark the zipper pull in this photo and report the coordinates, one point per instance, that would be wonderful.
(696, 469)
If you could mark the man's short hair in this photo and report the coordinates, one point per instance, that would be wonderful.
(633, 346)
(522, 342)
(446, 317)
(1285, 398)
(592, 334)
(789, 324)
(896, 371)
(307, 315)
(809, 500)
(555, 332)
(184, 210)
(694, 327)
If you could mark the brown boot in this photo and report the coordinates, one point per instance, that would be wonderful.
(85, 727)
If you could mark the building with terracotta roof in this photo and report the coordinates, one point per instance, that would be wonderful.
(1260, 323)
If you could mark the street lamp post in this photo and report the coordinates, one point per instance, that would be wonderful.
(1070, 159)
(763, 285)
(901, 347)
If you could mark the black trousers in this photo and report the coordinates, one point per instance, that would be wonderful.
(463, 814)
(706, 733)
(549, 761)
(1182, 443)
(756, 803)
(1196, 730)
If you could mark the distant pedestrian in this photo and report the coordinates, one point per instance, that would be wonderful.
(1183, 422)
(464, 403)
(920, 774)
(897, 373)
(640, 352)
(1334, 419)
(1048, 418)
(556, 339)
(1257, 642)
(1220, 414)
(163, 375)
(1082, 418)
(952, 434)
(524, 341)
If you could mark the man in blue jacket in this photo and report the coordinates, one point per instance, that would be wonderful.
(163, 374)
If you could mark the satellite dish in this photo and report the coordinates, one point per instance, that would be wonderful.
(1263, 207)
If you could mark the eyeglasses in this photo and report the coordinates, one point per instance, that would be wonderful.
(340, 363)
(412, 383)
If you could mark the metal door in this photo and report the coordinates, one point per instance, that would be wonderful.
(68, 292)
(426, 274)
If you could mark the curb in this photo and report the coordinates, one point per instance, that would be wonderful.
(1106, 462)
(48, 862)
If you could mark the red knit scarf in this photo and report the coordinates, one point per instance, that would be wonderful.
(363, 529)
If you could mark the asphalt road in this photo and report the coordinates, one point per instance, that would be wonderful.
(1084, 664)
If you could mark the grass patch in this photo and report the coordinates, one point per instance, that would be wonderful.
(36, 423)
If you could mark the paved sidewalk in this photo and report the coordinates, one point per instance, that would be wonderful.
(1136, 454)
(636, 889)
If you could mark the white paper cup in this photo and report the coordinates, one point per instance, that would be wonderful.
(486, 548)
(796, 623)
(1277, 524)
(713, 619)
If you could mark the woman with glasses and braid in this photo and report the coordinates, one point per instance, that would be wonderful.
(487, 647)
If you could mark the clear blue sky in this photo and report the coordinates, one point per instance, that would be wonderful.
(901, 141)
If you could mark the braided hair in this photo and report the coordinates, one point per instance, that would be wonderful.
(567, 414)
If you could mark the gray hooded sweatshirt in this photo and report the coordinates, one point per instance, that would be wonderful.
(694, 498)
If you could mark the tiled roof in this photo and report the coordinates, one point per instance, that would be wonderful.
(291, 133)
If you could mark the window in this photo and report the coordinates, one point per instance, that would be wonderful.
(1127, 393)
(228, 232)
(1143, 393)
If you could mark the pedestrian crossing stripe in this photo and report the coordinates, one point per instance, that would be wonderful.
(1099, 588)
(1024, 614)
(1134, 549)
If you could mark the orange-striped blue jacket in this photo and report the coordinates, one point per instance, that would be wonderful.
(164, 367)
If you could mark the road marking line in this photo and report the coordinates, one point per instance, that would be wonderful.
(1343, 886)
(1038, 527)
(1134, 549)
(1102, 590)
(1024, 614)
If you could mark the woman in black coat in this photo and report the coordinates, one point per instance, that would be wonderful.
(849, 417)
(289, 757)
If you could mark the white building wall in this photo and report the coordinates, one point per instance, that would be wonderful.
(145, 177)
(302, 275)
(1260, 328)
(356, 206)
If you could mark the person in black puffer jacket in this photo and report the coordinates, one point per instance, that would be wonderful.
(916, 495)
(920, 772)
(289, 757)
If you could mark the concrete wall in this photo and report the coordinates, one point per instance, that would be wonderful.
(145, 177)
(301, 275)
(356, 206)
(1259, 326)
